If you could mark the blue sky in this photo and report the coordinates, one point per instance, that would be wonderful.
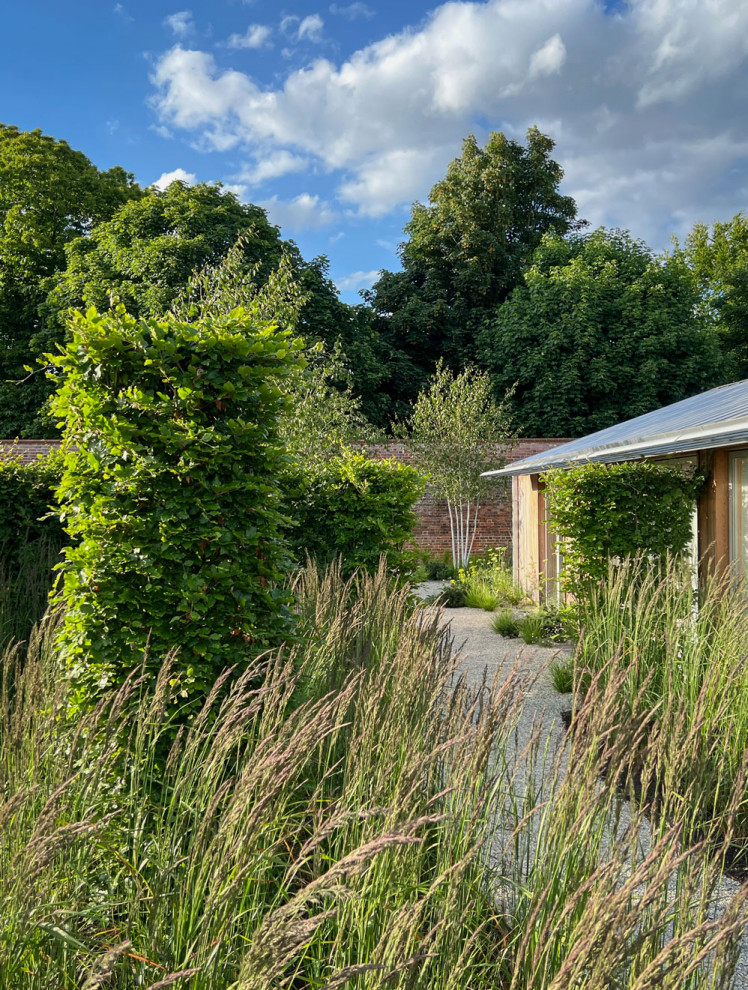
(336, 116)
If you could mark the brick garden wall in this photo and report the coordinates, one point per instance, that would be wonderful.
(432, 529)
(495, 516)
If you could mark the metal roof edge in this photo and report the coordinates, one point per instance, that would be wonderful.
(729, 432)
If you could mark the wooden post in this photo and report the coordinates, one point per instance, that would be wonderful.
(714, 514)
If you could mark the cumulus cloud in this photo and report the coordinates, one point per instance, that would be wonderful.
(256, 36)
(180, 24)
(273, 167)
(178, 175)
(304, 212)
(357, 280)
(352, 11)
(642, 102)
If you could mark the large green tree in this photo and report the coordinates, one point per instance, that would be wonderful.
(147, 253)
(466, 251)
(719, 260)
(50, 195)
(600, 330)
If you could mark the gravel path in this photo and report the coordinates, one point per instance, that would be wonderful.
(483, 654)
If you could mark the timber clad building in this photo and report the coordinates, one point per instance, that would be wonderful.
(709, 431)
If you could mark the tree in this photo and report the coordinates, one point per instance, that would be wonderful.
(323, 418)
(149, 252)
(466, 251)
(453, 431)
(719, 260)
(49, 196)
(599, 331)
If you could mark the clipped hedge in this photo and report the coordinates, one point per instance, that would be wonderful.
(26, 504)
(171, 489)
(605, 511)
(357, 509)
(31, 537)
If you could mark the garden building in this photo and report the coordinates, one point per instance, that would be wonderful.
(709, 430)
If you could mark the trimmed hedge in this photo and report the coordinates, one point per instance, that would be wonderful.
(357, 509)
(171, 487)
(604, 511)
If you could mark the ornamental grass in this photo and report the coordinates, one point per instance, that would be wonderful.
(346, 813)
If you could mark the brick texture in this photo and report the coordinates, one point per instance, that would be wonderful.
(27, 450)
(432, 528)
(495, 515)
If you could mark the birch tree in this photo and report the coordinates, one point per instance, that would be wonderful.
(456, 432)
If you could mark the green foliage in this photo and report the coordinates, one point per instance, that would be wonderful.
(171, 487)
(562, 673)
(31, 537)
(465, 252)
(453, 595)
(505, 624)
(600, 331)
(356, 509)
(452, 434)
(149, 250)
(439, 570)
(719, 260)
(26, 504)
(49, 195)
(605, 511)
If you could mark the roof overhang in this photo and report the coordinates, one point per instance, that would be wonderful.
(725, 434)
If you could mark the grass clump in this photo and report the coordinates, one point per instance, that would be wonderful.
(562, 673)
(685, 667)
(505, 624)
(489, 583)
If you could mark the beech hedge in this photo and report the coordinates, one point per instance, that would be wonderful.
(171, 492)
(607, 511)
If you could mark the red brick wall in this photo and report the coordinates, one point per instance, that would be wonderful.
(432, 529)
(27, 450)
(494, 517)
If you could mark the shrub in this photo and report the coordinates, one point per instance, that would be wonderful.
(31, 537)
(171, 487)
(505, 624)
(531, 628)
(606, 511)
(453, 595)
(357, 509)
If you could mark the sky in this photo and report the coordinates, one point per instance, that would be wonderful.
(336, 117)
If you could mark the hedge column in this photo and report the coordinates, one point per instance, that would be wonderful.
(170, 488)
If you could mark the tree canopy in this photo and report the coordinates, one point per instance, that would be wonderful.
(466, 251)
(601, 330)
(719, 259)
(49, 196)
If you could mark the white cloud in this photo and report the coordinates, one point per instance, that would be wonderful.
(644, 103)
(357, 280)
(304, 212)
(273, 167)
(309, 28)
(121, 11)
(352, 11)
(178, 175)
(549, 59)
(256, 36)
(180, 24)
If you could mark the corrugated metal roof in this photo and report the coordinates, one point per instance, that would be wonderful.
(717, 418)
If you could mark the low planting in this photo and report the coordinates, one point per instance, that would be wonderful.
(343, 813)
(486, 583)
